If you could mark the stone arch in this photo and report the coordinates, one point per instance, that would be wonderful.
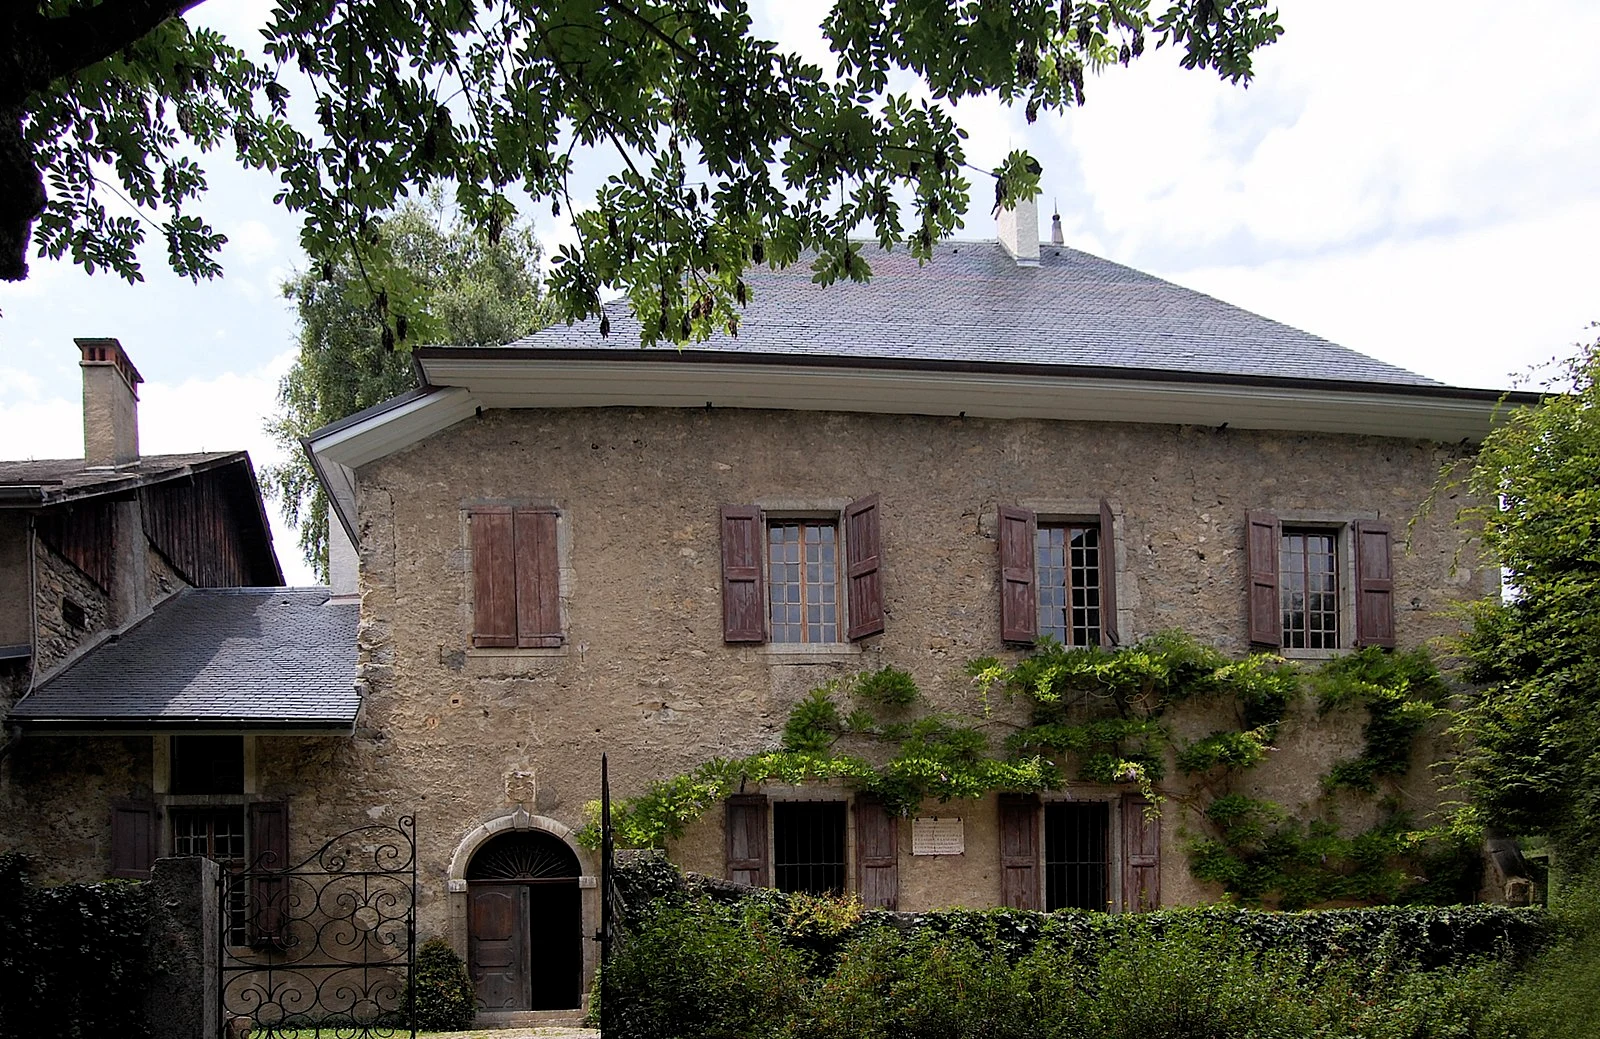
(518, 820)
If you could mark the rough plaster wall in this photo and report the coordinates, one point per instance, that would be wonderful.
(645, 675)
(55, 800)
(59, 579)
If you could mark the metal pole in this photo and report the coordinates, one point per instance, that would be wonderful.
(606, 852)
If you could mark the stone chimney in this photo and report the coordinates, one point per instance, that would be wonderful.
(110, 404)
(1019, 232)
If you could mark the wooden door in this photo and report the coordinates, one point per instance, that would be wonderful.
(497, 945)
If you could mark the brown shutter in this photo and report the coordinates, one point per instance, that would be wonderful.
(877, 855)
(494, 577)
(133, 839)
(269, 850)
(747, 839)
(1261, 550)
(1019, 852)
(1374, 585)
(744, 606)
(1109, 636)
(1141, 856)
(863, 547)
(538, 578)
(1019, 605)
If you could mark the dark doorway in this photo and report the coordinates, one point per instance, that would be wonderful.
(525, 923)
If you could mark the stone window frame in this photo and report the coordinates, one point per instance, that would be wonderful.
(831, 791)
(564, 576)
(1111, 799)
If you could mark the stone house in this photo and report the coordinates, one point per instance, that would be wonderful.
(569, 546)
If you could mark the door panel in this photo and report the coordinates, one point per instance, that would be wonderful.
(497, 945)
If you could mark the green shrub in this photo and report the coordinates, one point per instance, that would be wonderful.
(442, 989)
(1558, 996)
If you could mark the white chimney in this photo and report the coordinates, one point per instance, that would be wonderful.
(110, 404)
(1019, 232)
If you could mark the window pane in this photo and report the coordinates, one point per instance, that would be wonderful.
(808, 852)
(1076, 863)
(1308, 582)
(804, 576)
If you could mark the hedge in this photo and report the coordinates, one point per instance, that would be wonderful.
(71, 957)
(706, 958)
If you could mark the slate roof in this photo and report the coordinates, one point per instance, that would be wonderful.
(50, 479)
(210, 657)
(973, 303)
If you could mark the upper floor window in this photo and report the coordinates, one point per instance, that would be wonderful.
(1308, 589)
(800, 580)
(1058, 578)
(1067, 569)
(207, 765)
(516, 577)
(803, 580)
(1319, 586)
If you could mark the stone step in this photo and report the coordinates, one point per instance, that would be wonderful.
(497, 1019)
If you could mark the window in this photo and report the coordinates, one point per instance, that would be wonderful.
(1077, 863)
(1058, 577)
(808, 846)
(217, 834)
(1067, 567)
(73, 616)
(782, 575)
(1099, 855)
(1308, 589)
(1319, 586)
(803, 580)
(516, 577)
(207, 765)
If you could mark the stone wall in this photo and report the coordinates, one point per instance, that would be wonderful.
(59, 580)
(162, 578)
(464, 736)
(55, 800)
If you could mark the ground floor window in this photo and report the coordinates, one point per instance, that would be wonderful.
(217, 834)
(1077, 863)
(808, 840)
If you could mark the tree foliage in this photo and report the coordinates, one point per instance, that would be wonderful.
(1533, 765)
(722, 148)
(469, 292)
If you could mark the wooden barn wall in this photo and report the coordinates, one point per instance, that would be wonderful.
(196, 524)
(83, 535)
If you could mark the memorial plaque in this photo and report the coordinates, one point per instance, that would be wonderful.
(937, 836)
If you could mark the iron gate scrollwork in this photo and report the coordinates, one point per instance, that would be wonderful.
(326, 945)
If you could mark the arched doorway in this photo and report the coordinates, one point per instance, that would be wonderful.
(525, 923)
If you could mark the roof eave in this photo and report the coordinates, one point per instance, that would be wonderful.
(89, 726)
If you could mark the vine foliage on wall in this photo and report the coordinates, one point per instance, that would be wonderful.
(1105, 717)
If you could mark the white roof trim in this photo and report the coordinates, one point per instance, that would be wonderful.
(517, 382)
(337, 454)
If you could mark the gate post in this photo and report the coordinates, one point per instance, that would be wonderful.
(180, 942)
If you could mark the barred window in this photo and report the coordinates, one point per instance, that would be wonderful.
(1077, 855)
(808, 846)
(803, 580)
(1067, 565)
(217, 834)
(1308, 589)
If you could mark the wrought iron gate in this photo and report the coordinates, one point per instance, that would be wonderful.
(326, 945)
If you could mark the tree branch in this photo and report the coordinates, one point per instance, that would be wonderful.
(42, 50)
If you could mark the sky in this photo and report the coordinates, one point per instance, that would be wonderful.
(1398, 178)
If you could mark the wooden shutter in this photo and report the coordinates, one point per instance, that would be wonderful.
(877, 855)
(1109, 636)
(538, 577)
(1141, 856)
(494, 577)
(863, 547)
(1264, 534)
(747, 839)
(1019, 604)
(1019, 852)
(744, 605)
(1374, 584)
(133, 839)
(267, 913)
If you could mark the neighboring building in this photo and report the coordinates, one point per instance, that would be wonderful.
(569, 546)
(137, 621)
